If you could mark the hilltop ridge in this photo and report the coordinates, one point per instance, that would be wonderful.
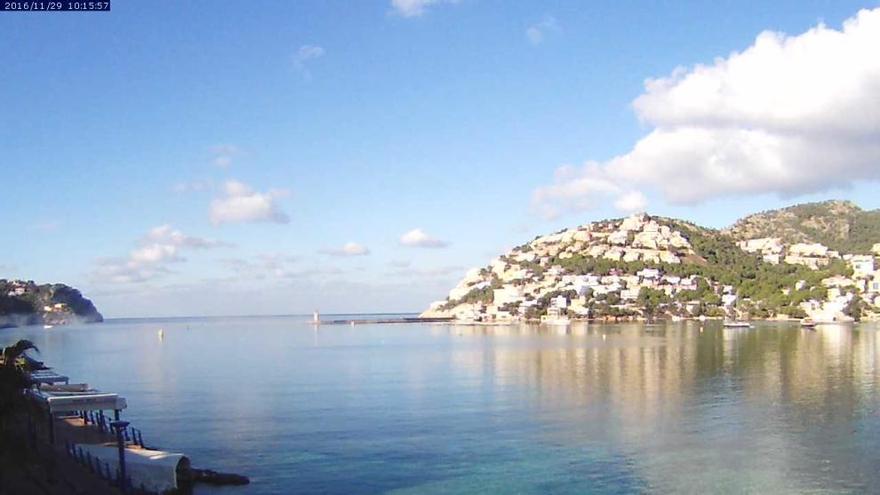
(839, 225)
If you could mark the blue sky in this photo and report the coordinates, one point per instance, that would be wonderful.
(212, 157)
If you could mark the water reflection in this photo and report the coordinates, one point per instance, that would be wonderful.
(684, 407)
(776, 408)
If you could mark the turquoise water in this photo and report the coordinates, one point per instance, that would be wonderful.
(422, 408)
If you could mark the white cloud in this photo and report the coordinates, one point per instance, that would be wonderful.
(632, 201)
(240, 204)
(223, 154)
(418, 238)
(159, 248)
(789, 115)
(415, 8)
(537, 32)
(349, 249)
(303, 55)
(574, 189)
(155, 253)
(166, 234)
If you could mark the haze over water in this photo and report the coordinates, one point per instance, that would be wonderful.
(427, 408)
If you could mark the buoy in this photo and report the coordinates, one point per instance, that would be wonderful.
(161, 334)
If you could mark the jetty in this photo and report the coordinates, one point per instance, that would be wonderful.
(374, 321)
(79, 433)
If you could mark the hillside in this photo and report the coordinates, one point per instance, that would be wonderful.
(840, 225)
(26, 303)
(648, 267)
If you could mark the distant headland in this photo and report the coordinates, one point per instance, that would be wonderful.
(23, 302)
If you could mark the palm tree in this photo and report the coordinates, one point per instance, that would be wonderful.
(13, 381)
(13, 352)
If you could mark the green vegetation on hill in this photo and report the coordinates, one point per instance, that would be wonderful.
(840, 225)
(720, 260)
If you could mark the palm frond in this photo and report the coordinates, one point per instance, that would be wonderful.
(13, 352)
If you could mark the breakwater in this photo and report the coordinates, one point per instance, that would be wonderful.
(365, 321)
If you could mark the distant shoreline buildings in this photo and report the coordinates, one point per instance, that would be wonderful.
(644, 267)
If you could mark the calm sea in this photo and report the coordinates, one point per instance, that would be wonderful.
(427, 408)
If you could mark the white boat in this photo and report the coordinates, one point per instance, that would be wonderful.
(737, 324)
(48, 326)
